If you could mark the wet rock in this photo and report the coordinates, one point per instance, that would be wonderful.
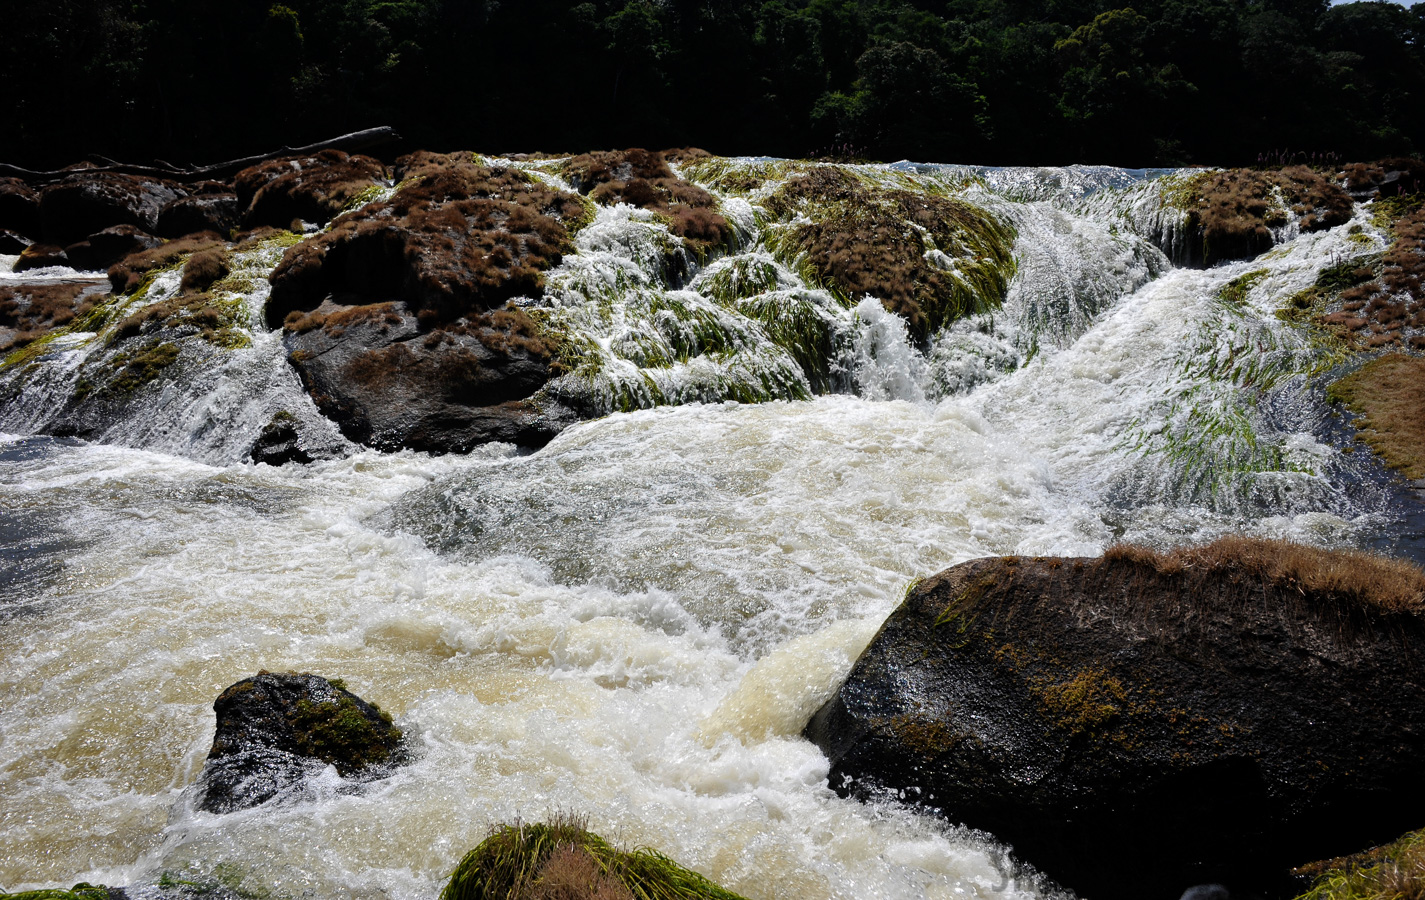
(40, 256)
(389, 383)
(12, 242)
(1140, 723)
(88, 202)
(275, 731)
(394, 318)
(205, 212)
(19, 208)
(279, 443)
(309, 188)
(107, 247)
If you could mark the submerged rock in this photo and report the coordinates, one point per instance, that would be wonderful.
(274, 731)
(1140, 723)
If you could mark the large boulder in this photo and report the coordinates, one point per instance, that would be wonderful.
(310, 188)
(275, 731)
(1143, 722)
(390, 384)
(396, 318)
(217, 212)
(105, 248)
(89, 202)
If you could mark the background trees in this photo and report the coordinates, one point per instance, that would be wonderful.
(1128, 82)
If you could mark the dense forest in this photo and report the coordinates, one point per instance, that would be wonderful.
(1162, 82)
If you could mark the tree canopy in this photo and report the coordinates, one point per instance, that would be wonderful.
(1157, 82)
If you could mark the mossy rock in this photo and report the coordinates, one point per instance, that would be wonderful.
(276, 730)
(1142, 722)
(562, 860)
(81, 891)
(926, 256)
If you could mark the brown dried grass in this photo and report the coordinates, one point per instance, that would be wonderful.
(642, 178)
(1235, 209)
(1349, 576)
(1388, 397)
(33, 311)
(128, 274)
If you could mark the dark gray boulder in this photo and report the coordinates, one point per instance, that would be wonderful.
(102, 249)
(276, 731)
(205, 212)
(88, 202)
(19, 208)
(1141, 723)
(391, 384)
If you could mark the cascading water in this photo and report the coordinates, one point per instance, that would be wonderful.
(634, 623)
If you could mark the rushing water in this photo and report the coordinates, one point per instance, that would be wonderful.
(634, 623)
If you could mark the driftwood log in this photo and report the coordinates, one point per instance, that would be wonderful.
(356, 140)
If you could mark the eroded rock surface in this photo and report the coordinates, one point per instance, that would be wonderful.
(1140, 723)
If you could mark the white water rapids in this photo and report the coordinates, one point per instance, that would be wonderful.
(634, 623)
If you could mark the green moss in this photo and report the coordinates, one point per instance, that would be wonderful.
(1234, 293)
(1090, 701)
(135, 370)
(1393, 872)
(512, 862)
(928, 737)
(81, 891)
(339, 733)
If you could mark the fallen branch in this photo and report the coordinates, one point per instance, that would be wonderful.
(357, 140)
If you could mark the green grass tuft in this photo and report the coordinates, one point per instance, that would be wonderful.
(533, 862)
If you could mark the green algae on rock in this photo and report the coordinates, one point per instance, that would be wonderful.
(562, 861)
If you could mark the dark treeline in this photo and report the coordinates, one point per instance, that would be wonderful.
(987, 81)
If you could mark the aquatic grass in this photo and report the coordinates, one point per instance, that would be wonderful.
(1387, 396)
(514, 863)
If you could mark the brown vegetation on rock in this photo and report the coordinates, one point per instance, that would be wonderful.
(310, 188)
(872, 240)
(1385, 178)
(1330, 576)
(1231, 212)
(1388, 310)
(129, 273)
(459, 237)
(29, 312)
(642, 178)
(1388, 397)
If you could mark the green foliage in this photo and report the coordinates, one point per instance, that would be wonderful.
(1166, 82)
(511, 863)
(1393, 872)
